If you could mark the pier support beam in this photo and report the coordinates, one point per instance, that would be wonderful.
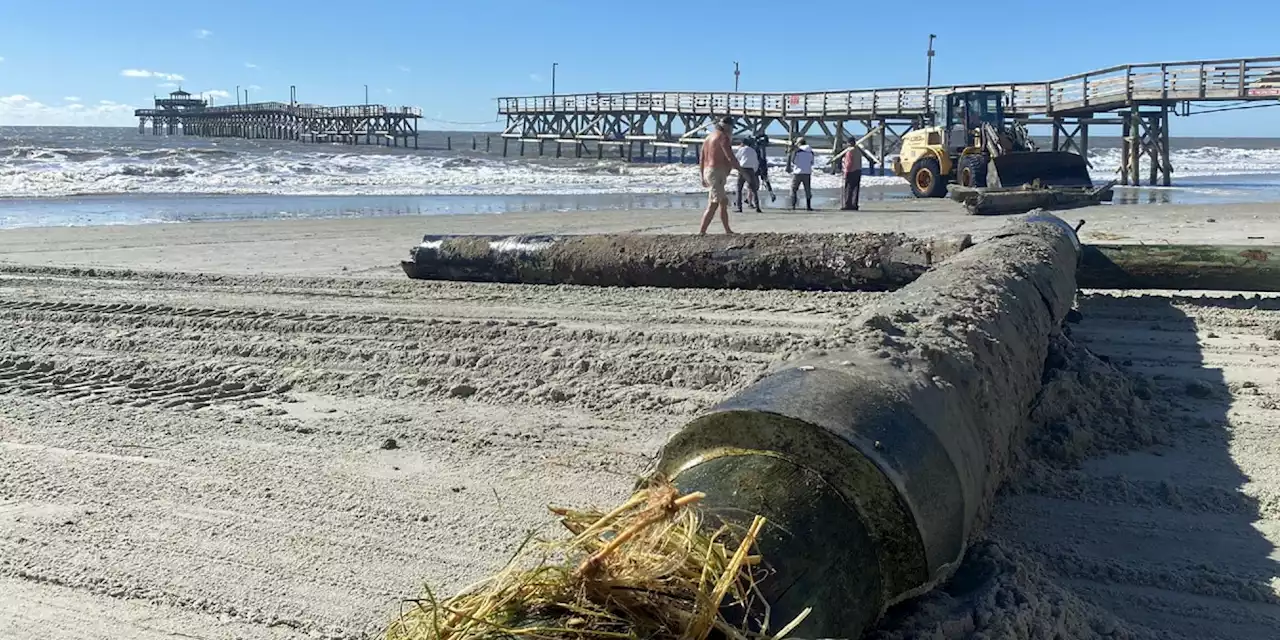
(1146, 134)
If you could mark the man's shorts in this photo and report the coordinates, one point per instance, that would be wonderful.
(717, 177)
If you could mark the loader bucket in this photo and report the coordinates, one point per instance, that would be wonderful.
(1052, 168)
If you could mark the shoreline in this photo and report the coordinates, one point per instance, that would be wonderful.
(131, 208)
(373, 246)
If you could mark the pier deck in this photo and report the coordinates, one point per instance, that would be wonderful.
(1139, 98)
(351, 124)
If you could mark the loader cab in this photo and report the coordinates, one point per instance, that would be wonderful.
(966, 111)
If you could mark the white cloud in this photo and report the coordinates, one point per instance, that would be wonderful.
(203, 33)
(401, 67)
(22, 110)
(390, 91)
(250, 65)
(1, 58)
(535, 77)
(216, 93)
(253, 87)
(71, 99)
(143, 73)
(168, 85)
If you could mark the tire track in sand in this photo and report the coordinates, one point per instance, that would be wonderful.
(285, 511)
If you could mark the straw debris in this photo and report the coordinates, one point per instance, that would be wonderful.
(650, 568)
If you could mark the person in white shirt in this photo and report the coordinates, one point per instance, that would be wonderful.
(748, 175)
(802, 173)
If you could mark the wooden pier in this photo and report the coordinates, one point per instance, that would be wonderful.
(183, 114)
(1136, 98)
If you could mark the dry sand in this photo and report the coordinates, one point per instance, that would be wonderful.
(285, 445)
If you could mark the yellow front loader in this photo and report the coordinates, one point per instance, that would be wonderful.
(973, 147)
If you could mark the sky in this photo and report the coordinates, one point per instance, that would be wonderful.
(91, 62)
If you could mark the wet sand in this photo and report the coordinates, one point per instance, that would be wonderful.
(372, 247)
(208, 453)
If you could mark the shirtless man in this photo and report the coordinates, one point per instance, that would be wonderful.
(716, 163)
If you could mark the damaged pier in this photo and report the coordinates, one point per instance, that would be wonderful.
(1137, 99)
(372, 124)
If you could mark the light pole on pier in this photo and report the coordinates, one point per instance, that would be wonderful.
(246, 97)
(928, 78)
(553, 78)
(736, 74)
(237, 95)
(366, 94)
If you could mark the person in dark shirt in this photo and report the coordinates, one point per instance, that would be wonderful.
(761, 144)
(851, 166)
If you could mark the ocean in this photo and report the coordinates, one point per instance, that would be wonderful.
(59, 176)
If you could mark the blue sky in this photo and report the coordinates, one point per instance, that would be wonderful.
(93, 61)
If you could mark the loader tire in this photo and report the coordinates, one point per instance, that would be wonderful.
(973, 170)
(927, 180)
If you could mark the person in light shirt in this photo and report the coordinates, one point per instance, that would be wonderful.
(802, 158)
(748, 175)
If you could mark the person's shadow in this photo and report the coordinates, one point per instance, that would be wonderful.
(1153, 523)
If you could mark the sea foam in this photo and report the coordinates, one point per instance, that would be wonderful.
(34, 171)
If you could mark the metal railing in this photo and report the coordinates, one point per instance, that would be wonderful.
(1100, 90)
(284, 108)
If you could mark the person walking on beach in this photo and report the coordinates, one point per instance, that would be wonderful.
(852, 165)
(747, 175)
(802, 173)
(716, 162)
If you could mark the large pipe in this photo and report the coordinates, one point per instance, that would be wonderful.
(1220, 267)
(853, 261)
(875, 461)
(828, 262)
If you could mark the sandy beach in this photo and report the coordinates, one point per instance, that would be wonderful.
(372, 247)
(264, 430)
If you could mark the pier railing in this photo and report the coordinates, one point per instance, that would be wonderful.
(1099, 90)
(302, 111)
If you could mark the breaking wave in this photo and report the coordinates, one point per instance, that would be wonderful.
(52, 171)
